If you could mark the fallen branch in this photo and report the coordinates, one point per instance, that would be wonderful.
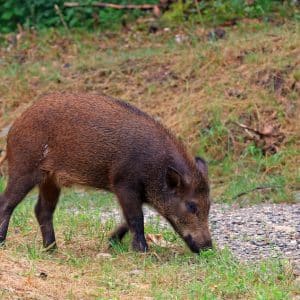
(247, 128)
(255, 189)
(58, 11)
(112, 5)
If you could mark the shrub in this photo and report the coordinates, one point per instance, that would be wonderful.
(41, 13)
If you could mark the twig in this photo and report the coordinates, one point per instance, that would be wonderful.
(58, 11)
(247, 128)
(197, 7)
(157, 256)
(111, 5)
(255, 189)
(231, 137)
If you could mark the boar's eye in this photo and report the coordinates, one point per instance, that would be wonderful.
(191, 207)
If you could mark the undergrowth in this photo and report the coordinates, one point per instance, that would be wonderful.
(17, 14)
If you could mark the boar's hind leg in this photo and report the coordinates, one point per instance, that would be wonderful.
(44, 209)
(131, 204)
(17, 188)
(118, 234)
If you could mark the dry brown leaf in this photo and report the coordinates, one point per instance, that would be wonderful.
(156, 239)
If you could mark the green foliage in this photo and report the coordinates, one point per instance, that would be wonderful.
(178, 11)
(41, 14)
(218, 11)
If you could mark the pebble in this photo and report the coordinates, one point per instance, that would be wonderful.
(104, 255)
(135, 272)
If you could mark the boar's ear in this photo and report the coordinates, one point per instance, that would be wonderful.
(201, 165)
(173, 178)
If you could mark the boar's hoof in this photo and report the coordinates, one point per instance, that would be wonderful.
(139, 246)
(118, 234)
(2, 240)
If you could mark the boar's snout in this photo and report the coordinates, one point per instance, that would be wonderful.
(197, 246)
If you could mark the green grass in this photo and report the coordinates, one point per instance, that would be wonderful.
(163, 273)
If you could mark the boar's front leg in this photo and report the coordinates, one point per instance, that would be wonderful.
(131, 204)
(118, 234)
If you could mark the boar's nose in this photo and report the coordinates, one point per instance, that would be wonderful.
(197, 247)
(207, 245)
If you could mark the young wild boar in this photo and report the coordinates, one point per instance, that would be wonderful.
(94, 140)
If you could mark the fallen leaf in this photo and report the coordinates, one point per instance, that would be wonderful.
(156, 239)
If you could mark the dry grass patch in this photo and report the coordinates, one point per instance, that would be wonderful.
(42, 279)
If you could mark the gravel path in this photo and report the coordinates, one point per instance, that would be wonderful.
(251, 233)
(259, 231)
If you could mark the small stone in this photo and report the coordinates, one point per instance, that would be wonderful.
(153, 28)
(104, 255)
(180, 38)
(282, 228)
(43, 275)
(236, 93)
(135, 272)
(216, 34)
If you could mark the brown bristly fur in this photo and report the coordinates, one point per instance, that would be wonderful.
(94, 140)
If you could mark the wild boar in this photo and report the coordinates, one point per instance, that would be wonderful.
(93, 140)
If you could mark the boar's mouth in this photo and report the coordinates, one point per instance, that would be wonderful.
(196, 247)
(192, 244)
